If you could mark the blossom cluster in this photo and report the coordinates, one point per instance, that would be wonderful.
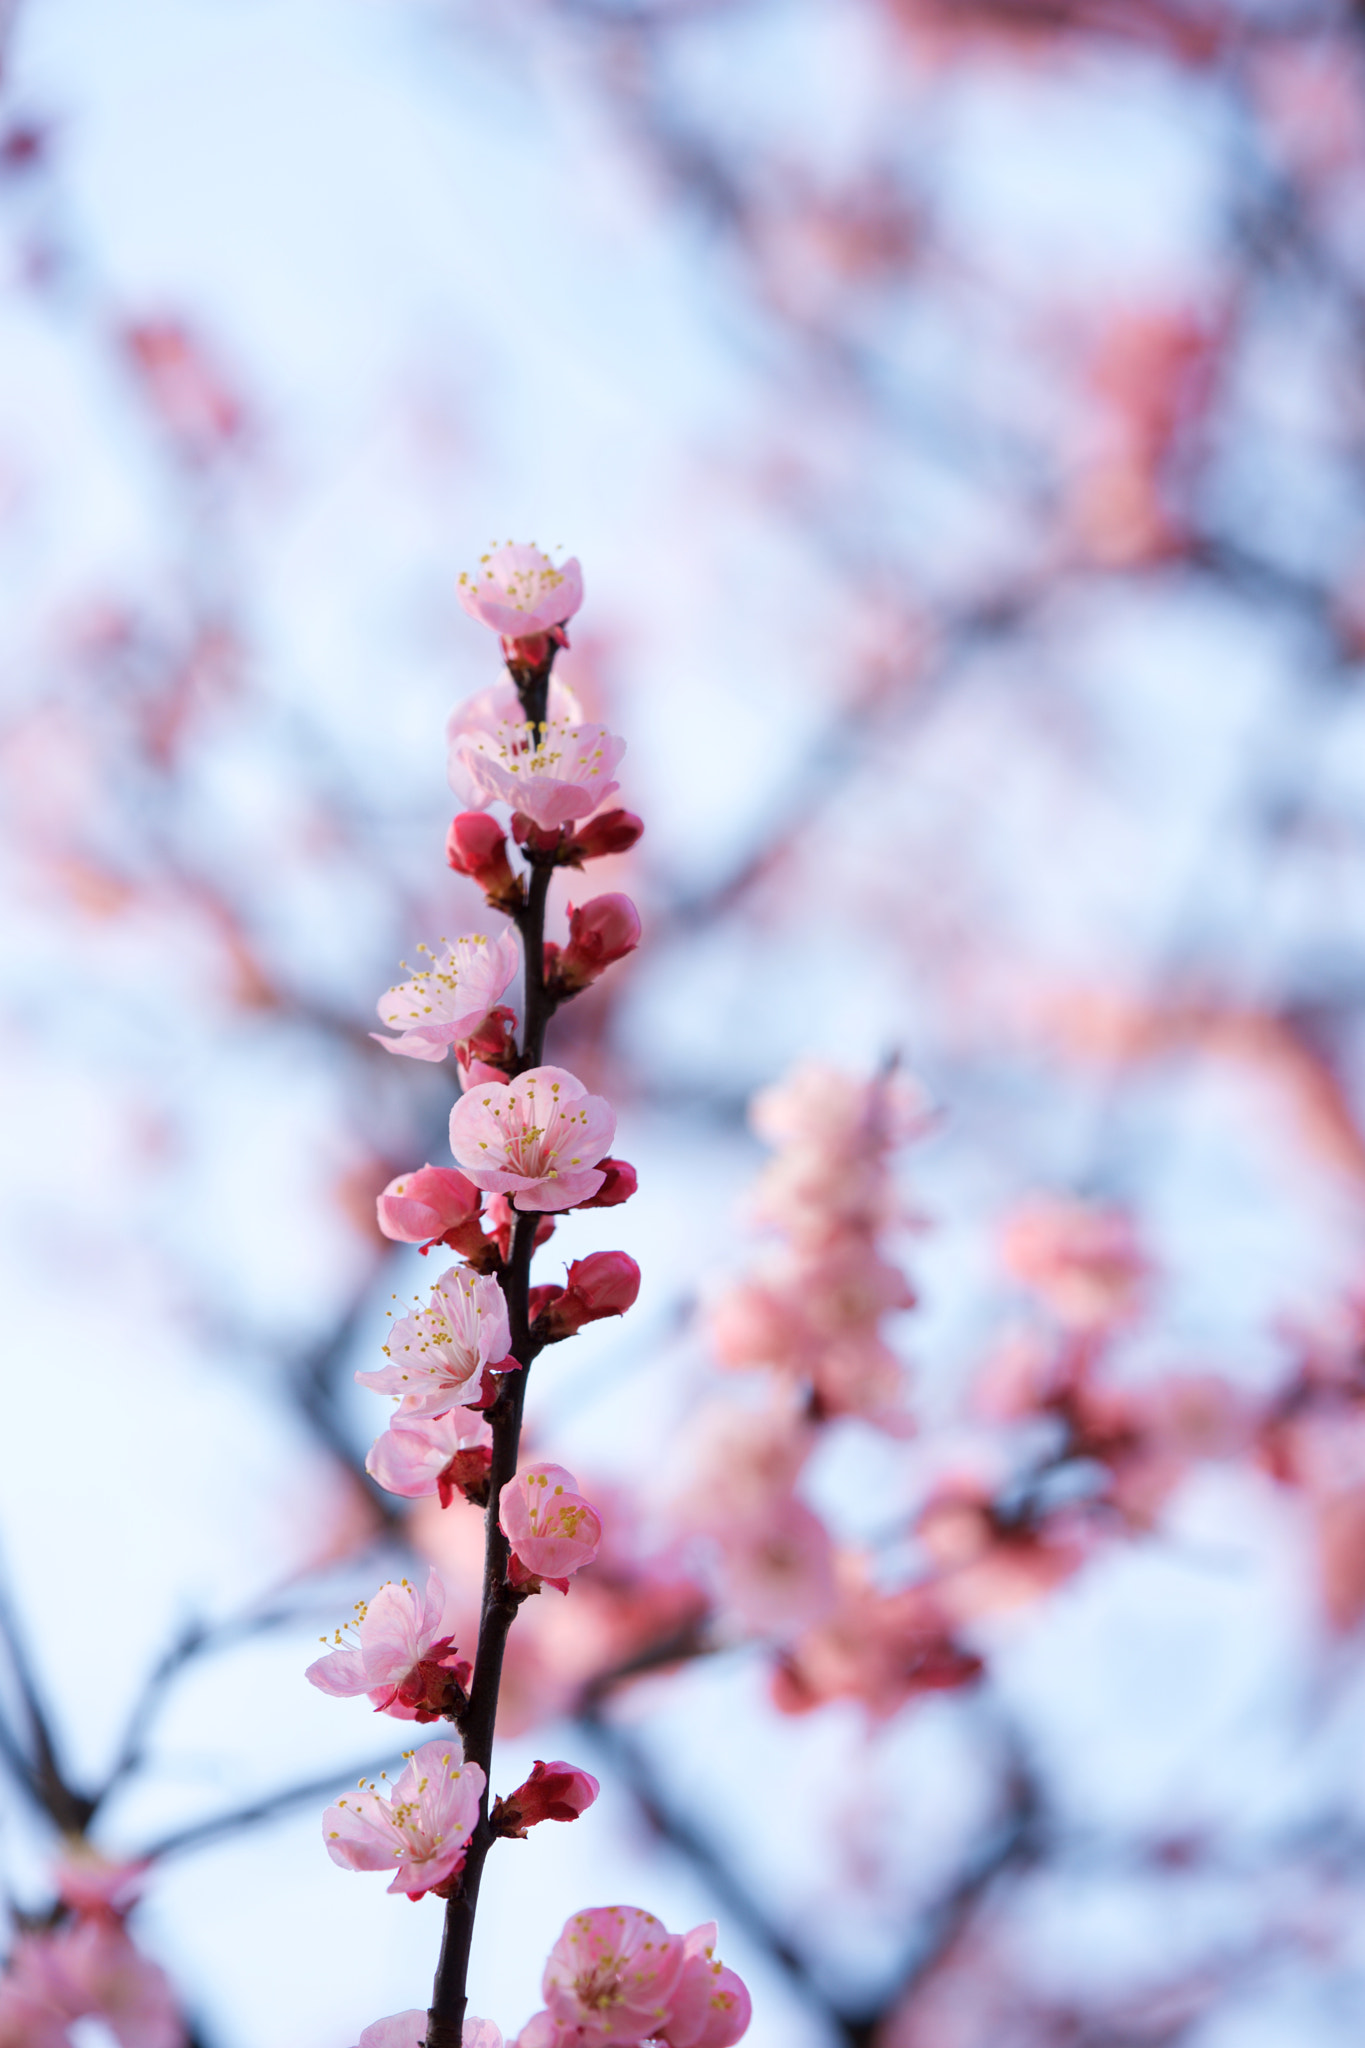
(528, 1142)
(87, 1967)
(616, 1978)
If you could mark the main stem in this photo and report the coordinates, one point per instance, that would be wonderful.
(445, 2018)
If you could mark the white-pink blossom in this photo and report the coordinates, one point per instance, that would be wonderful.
(441, 1454)
(409, 2029)
(399, 1658)
(611, 1973)
(709, 2006)
(553, 772)
(519, 591)
(537, 1139)
(552, 1529)
(437, 1356)
(447, 1001)
(420, 1830)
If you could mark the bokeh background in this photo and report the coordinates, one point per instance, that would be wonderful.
(956, 406)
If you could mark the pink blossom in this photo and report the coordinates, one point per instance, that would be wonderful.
(437, 1356)
(709, 2006)
(537, 1140)
(421, 1206)
(603, 1284)
(92, 1970)
(441, 1454)
(778, 1571)
(988, 1566)
(1085, 1261)
(612, 1973)
(400, 1658)
(555, 1791)
(450, 999)
(551, 773)
(880, 1648)
(518, 591)
(422, 1828)
(90, 1884)
(26, 2022)
(601, 931)
(489, 1053)
(477, 847)
(553, 1531)
(409, 2029)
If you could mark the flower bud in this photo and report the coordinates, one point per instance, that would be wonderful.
(539, 838)
(552, 1792)
(608, 832)
(600, 932)
(491, 1053)
(477, 846)
(619, 1185)
(603, 1284)
(427, 1205)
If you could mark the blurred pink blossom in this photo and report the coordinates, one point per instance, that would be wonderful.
(422, 1828)
(537, 1140)
(93, 1971)
(517, 591)
(1083, 1260)
(551, 774)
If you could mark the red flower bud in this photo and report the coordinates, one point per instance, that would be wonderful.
(619, 1185)
(467, 1473)
(600, 931)
(476, 846)
(603, 1284)
(608, 832)
(491, 1053)
(540, 838)
(552, 1792)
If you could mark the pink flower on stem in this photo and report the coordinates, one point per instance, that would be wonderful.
(437, 1356)
(603, 1284)
(517, 591)
(93, 1971)
(477, 847)
(551, 773)
(430, 1205)
(441, 1454)
(553, 1531)
(537, 1140)
(448, 1000)
(555, 1791)
(490, 1052)
(409, 2030)
(420, 1831)
(400, 1658)
(612, 1973)
(709, 2006)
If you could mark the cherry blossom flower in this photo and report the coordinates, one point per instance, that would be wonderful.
(556, 1791)
(518, 591)
(880, 1648)
(441, 1454)
(399, 1658)
(437, 1356)
(537, 1140)
(422, 1828)
(93, 1885)
(1085, 1261)
(409, 2030)
(552, 1529)
(93, 1971)
(422, 1206)
(447, 1001)
(709, 2006)
(550, 773)
(611, 1973)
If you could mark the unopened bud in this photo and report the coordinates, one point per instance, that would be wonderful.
(427, 1206)
(477, 846)
(491, 1053)
(608, 832)
(552, 1792)
(619, 1185)
(603, 1284)
(601, 931)
(537, 838)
